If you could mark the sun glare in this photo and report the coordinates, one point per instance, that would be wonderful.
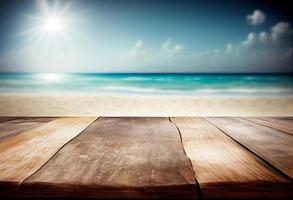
(51, 77)
(53, 24)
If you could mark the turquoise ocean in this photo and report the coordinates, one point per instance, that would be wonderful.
(149, 84)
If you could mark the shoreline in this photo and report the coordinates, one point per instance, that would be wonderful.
(130, 105)
(149, 95)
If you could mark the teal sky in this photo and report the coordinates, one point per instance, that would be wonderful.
(146, 36)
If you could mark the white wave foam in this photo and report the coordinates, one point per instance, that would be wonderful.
(216, 91)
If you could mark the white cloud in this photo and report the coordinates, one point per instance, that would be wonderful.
(137, 50)
(203, 54)
(166, 44)
(280, 31)
(207, 56)
(229, 48)
(171, 50)
(256, 18)
(216, 53)
(263, 37)
(251, 38)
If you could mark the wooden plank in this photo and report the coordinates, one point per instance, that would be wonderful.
(5, 119)
(289, 119)
(118, 157)
(11, 127)
(273, 146)
(286, 121)
(25, 153)
(223, 168)
(281, 125)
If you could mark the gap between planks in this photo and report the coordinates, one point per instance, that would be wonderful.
(273, 124)
(198, 190)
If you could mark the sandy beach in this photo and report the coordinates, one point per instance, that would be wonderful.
(77, 105)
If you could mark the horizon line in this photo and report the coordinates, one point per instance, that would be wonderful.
(157, 73)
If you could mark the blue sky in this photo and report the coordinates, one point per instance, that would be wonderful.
(145, 36)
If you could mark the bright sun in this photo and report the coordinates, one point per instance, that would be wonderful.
(53, 24)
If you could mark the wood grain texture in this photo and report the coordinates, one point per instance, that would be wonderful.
(15, 126)
(223, 168)
(288, 119)
(25, 153)
(5, 119)
(118, 157)
(273, 146)
(278, 124)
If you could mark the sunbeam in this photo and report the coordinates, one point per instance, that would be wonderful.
(53, 24)
(50, 27)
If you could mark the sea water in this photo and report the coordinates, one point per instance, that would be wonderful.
(148, 84)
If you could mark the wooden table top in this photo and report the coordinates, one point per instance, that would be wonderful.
(146, 157)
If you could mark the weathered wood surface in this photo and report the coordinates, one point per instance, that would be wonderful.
(288, 119)
(5, 119)
(273, 146)
(282, 125)
(225, 169)
(13, 126)
(25, 153)
(118, 157)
